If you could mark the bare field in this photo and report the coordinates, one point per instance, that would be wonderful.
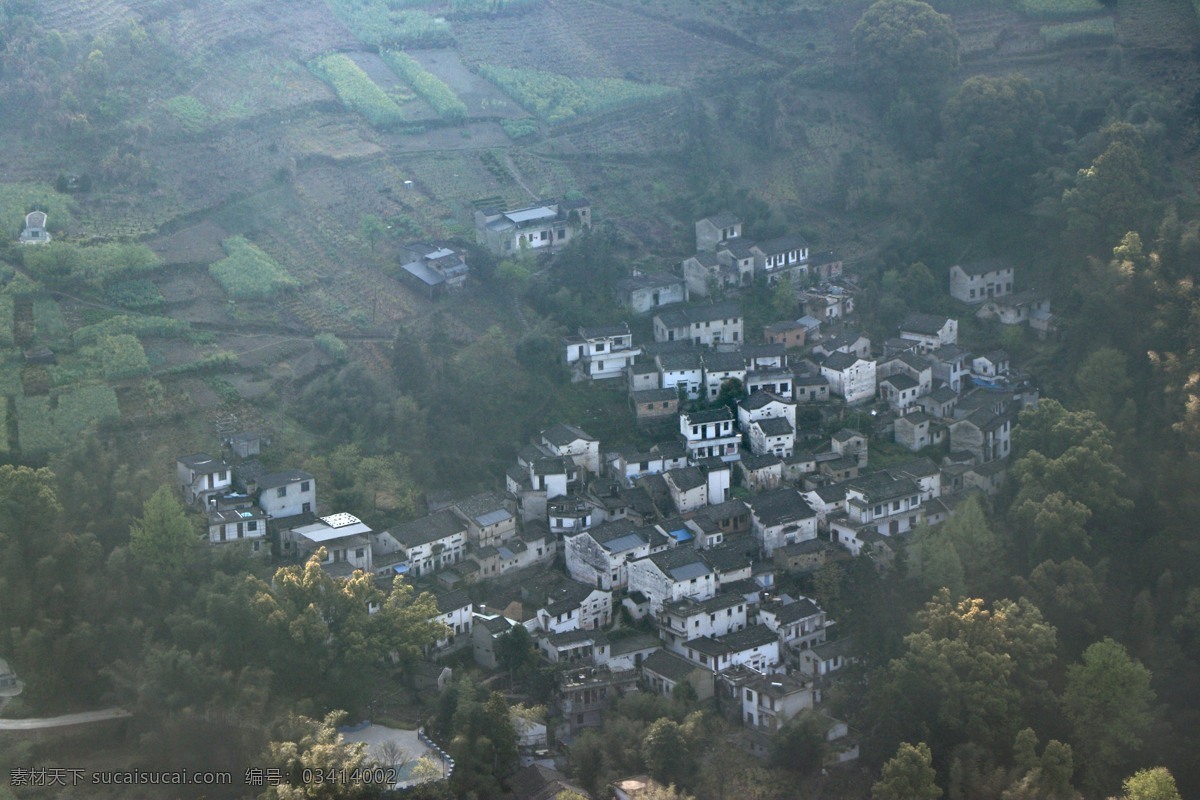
(480, 96)
(195, 244)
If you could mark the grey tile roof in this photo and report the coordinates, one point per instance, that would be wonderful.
(780, 506)
(429, 529)
(680, 317)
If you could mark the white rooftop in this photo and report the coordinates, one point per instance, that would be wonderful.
(530, 214)
(340, 520)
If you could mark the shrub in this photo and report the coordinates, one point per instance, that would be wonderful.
(1085, 32)
(139, 294)
(387, 23)
(138, 326)
(48, 321)
(6, 320)
(331, 345)
(247, 273)
(431, 88)
(98, 265)
(42, 429)
(357, 91)
(122, 356)
(518, 129)
(190, 113)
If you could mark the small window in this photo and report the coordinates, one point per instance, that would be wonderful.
(252, 525)
(305, 486)
(281, 491)
(306, 508)
(562, 233)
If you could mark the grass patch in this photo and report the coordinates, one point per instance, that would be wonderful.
(190, 113)
(1058, 9)
(474, 8)
(357, 91)
(556, 98)
(10, 379)
(1088, 31)
(247, 273)
(217, 361)
(430, 87)
(97, 266)
(18, 199)
(6, 320)
(140, 295)
(137, 326)
(518, 129)
(122, 356)
(49, 323)
(44, 426)
(392, 23)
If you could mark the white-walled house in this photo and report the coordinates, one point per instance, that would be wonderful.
(929, 331)
(781, 517)
(201, 477)
(574, 443)
(287, 494)
(345, 538)
(688, 487)
(800, 624)
(602, 352)
(850, 377)
(239, 524)
(710, 434)
(769, 701)
(717, 229)
(546, 226)
(598, 556)
(765, 405)
(648, 291)
(707, 325)
(756, 647)
(672, 575)
(720, 367)
(433, 542)
(682, 620)
(979, 282)
(456, 612)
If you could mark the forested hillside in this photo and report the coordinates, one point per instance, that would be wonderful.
(229, 185)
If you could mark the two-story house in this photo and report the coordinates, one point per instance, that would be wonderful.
(574, 443)
(709, 434)
(781, 517)
(643, 292)
(489, 518)
(783, 258)
(756, 647)
(716, 230)
(765, 405)
(456, 612)
(682, 620)
(984, 434)
(435, 268)
(672, 575)
(598, 556)
(601, 352)
(720, 367)
(799, 624)
(850, 377)
(545, 226)
(706, 273)
(248, 523)
(289, 493)
(707, 325)
(981, 281)
(346, 540)
(688, 487)
(929, 331)
(769, 701)
(202, 477)
(433, 542)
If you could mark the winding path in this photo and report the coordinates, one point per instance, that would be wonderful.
(64, 721)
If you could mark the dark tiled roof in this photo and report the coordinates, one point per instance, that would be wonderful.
(925, 324)
(679, 317)
(780, 506)
(429, 529)
(672, 667)
(563, 434)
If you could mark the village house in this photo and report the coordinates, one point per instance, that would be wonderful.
(805, 557)
(344, 537)
(983, 433)
(202, 477)
(825, 265)
(706, 325)
(489, 517)
(434, 268)
(850, 377)
(981, 281)
(829, 303)
(289, 493)
(598, 556)
(643, 375)
(900, 391)
(799, 624)
(850, 444)
(876, 504)
(769, 701)
(715, 230)
(950, 365)
(663, 671)
(688, 487)
(810, 388)
(992, 364)
(773, 435)
(765, 405)
(563, 605)
(456, 612)
(709, 433)
(781, 517)
(574, 647)
(776, 380)
(929, 331)
(248, 523)
(1027, 307)
(538, 478)
(737, 259)
(783, 258)
(672, 574)
(918, 430)
(682, 371)
(940, 402)
(545, 226)
(627, 467)
(756, 647)
(720, 367)
(642, 292)
(706, 273)
(822, 660)
(765, 356)
(654, 405)
(852, 343)
(912, 365)
(433, 542)
(585, 694)
(761, 473)
(486, 629)
(789, 333)
(574, 443)
(682, 620)
(601, 352)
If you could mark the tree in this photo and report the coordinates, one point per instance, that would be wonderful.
(993, 128)
(909, 775)
(904, 44)
(800, 744)
(666, 753)
(314, 747)
(515, 652)
(1104, 385)
(372, 229)
(1107, 701)
(1068, 593)
(1151, 784)
(164, 538)
(1110, 196)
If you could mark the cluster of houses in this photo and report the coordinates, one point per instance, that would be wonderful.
(691, 534)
